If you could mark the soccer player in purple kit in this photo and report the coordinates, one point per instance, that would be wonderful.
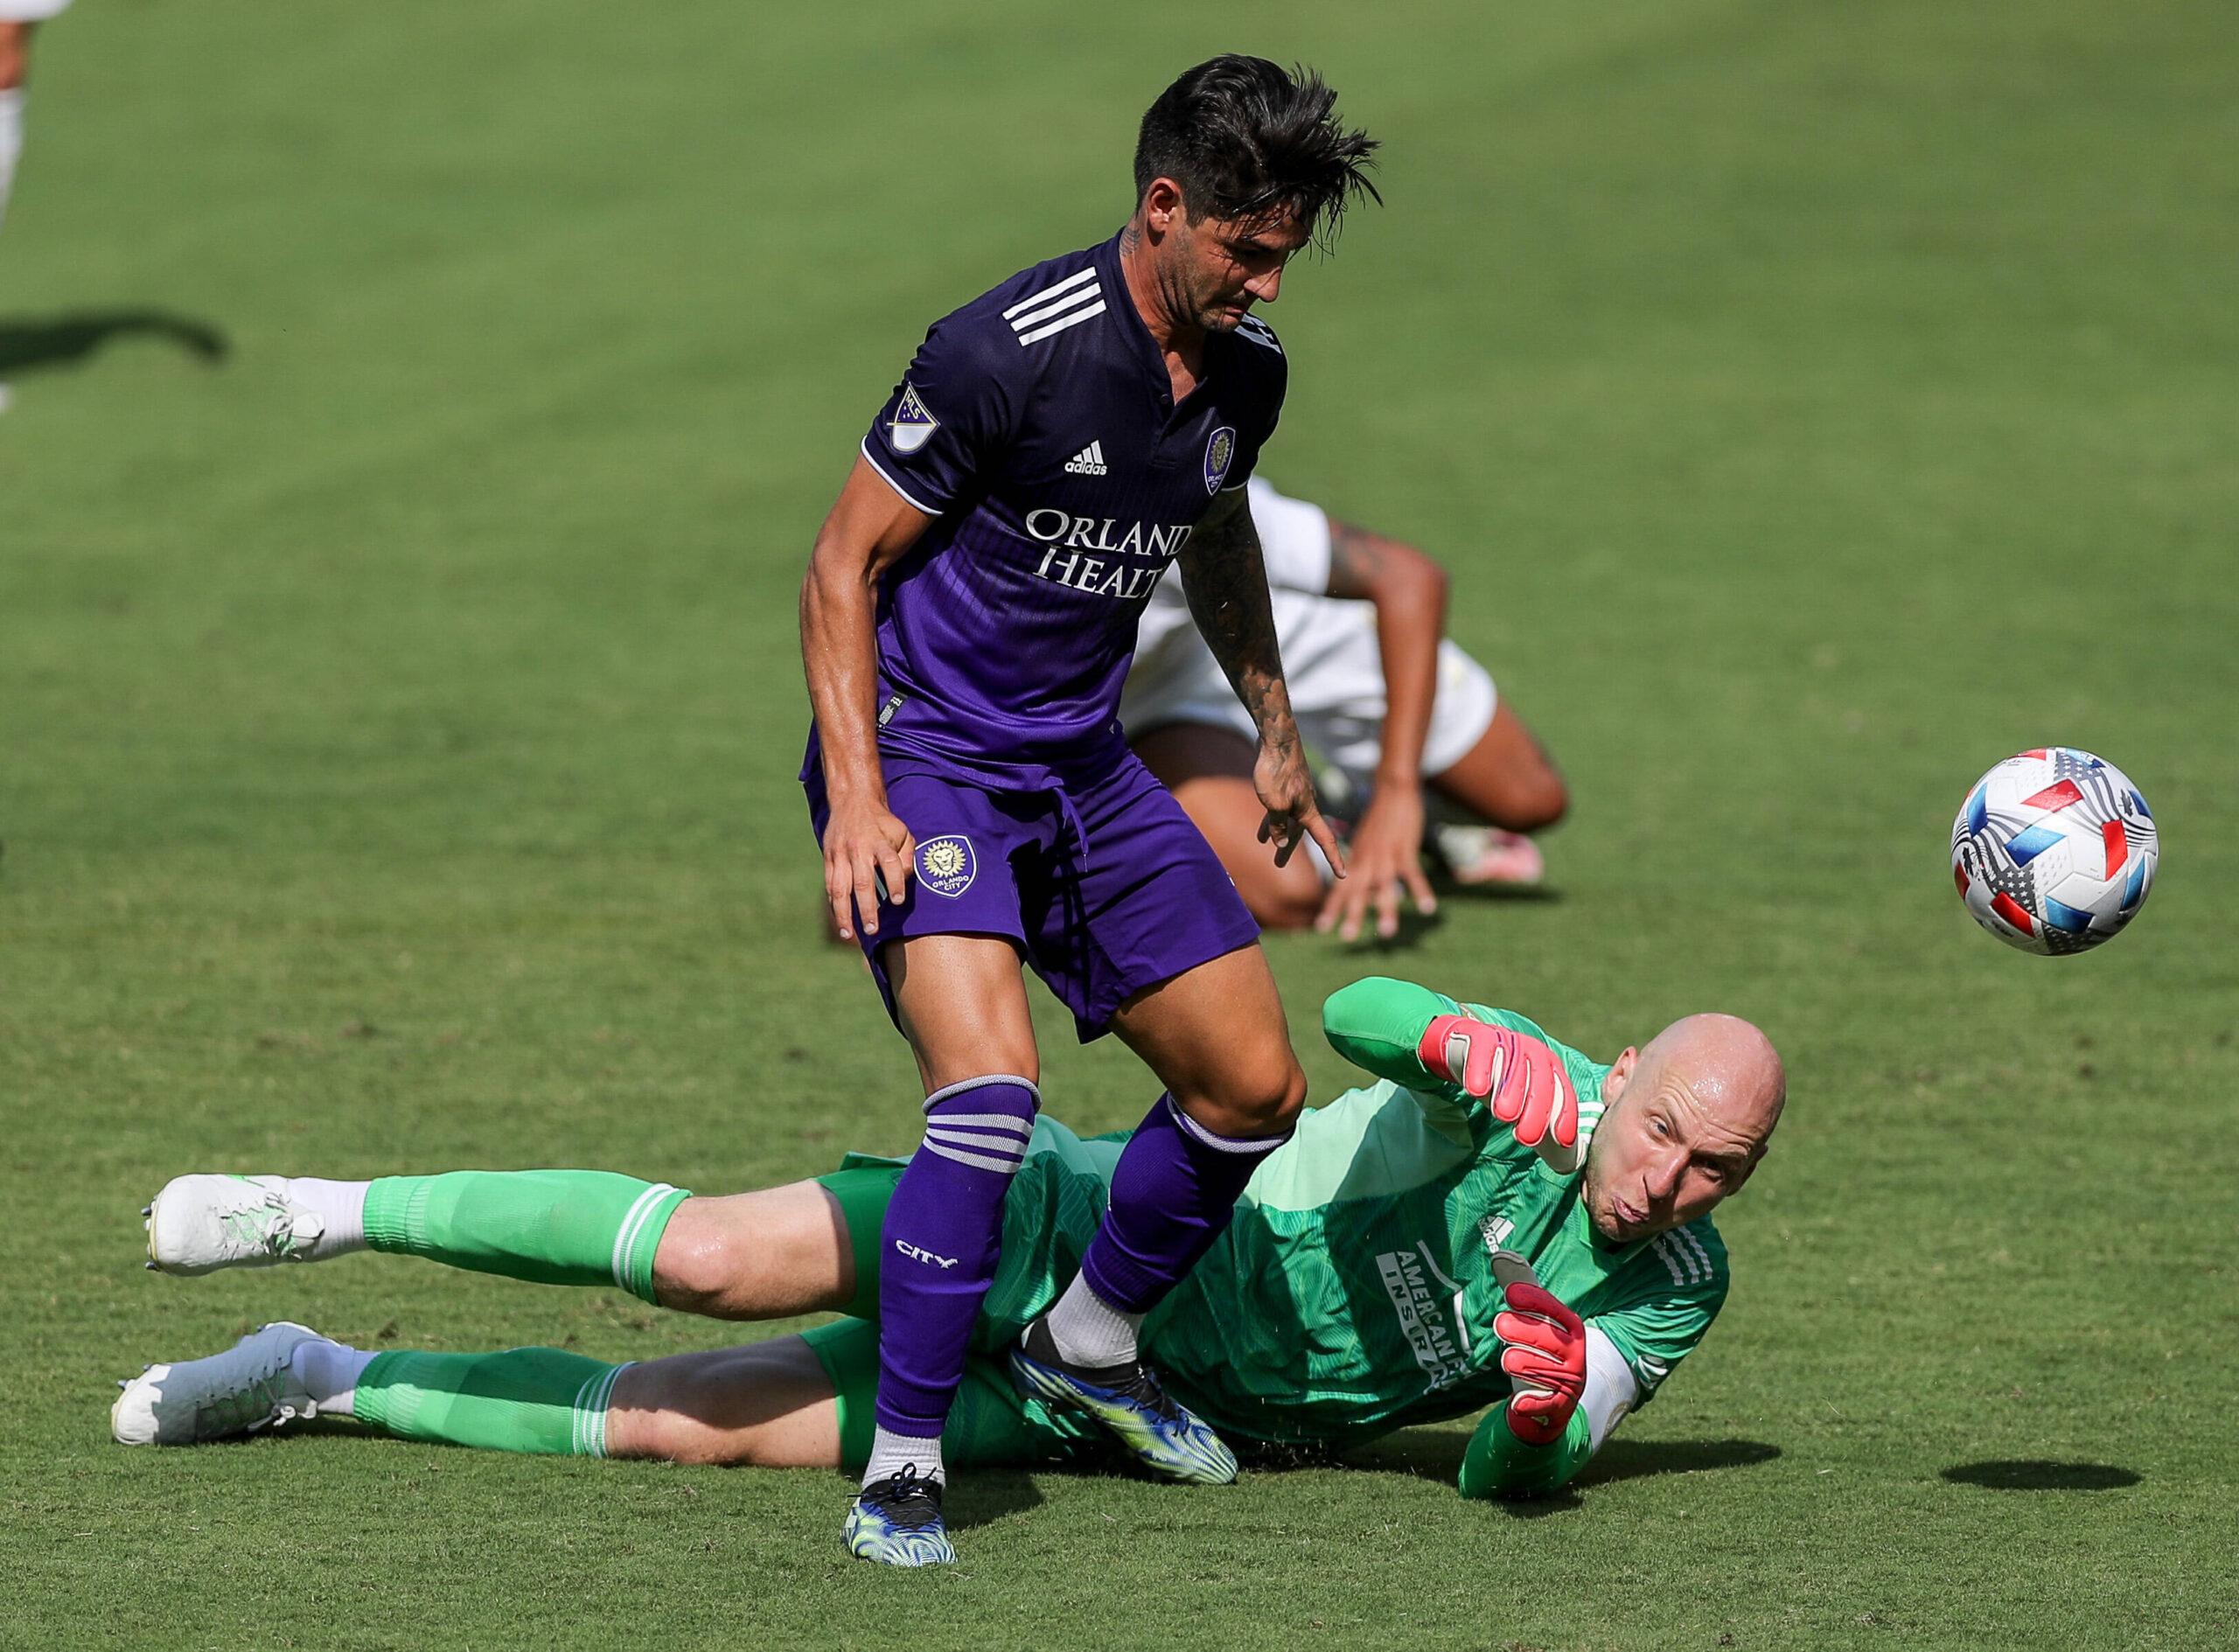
(966, 624)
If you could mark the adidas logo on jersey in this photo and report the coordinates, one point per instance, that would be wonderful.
(1089, 461)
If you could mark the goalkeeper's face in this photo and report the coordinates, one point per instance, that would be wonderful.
(1687, 1118)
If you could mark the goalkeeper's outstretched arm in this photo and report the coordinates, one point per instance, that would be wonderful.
(1425, 1041)
(1378, 1024)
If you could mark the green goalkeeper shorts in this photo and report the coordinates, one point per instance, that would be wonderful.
(990, 1424)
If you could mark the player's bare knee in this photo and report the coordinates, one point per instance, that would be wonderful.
(1258, 1099)
(1531, 801)
(669, 1429)
(1543, 802)
(701, 1263)
(1276, 1109)
(1284, 1106)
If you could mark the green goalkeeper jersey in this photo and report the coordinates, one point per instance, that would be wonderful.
(1352, 1293)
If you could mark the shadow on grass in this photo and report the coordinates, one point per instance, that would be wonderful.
(1640, 1459)
(1517, 894)
(986, 1495)
(1435, 1453)
(28, 344)
(1413, 927)
(2034, 1474)
(978, 1497)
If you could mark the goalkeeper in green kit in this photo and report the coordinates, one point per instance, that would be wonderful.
(1499, 1221)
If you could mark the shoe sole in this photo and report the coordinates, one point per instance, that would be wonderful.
(153, 1216)
(915, 1549)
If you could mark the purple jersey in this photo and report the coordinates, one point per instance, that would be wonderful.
(1038, 426)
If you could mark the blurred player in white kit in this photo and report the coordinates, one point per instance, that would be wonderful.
(1417, 746)
(17, 20)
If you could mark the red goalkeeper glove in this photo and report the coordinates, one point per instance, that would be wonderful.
(1545, 1360)
(1520, 1076)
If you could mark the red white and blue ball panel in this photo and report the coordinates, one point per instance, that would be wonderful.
(2054, 850)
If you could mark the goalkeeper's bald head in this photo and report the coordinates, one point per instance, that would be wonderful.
(1688, 1117)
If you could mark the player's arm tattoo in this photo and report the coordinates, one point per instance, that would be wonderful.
(1224, 577)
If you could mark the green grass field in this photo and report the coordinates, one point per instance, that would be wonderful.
(398, 720)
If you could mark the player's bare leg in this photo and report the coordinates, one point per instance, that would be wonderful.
(1216, 1036)
(1508, 783)
(768, 1255)
(1506, 779)
(14, 54)
(961, 999)
(15, 63)
(1209, 771)
(769, 1405)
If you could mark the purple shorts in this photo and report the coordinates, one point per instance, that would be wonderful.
(1105, 885)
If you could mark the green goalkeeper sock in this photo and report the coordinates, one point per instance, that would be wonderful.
(556, 1227)
(526, 1399)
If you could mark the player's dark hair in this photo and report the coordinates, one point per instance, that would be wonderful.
(1246, 140)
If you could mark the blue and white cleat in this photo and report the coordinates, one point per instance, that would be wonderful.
(250, 1387)
(896, 1522)
(1160, 1433)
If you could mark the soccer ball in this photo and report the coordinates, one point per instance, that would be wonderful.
(2053, 851)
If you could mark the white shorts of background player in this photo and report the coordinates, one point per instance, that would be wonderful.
(1331, 662)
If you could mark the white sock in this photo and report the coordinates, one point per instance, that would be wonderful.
(12, 140)
(1089, 1331)
(341, 1205)
(892, 1453)
(330, 1372)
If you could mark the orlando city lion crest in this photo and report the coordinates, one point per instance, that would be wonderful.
(1218, 453)
(945, 866)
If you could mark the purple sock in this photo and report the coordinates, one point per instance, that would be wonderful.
(942, 1237)
(1173, 1191)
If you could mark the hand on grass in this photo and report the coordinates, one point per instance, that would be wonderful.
(1387, 867)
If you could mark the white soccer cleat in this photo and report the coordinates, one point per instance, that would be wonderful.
(1480, 855)
(249, 1387)
(198, 1224)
